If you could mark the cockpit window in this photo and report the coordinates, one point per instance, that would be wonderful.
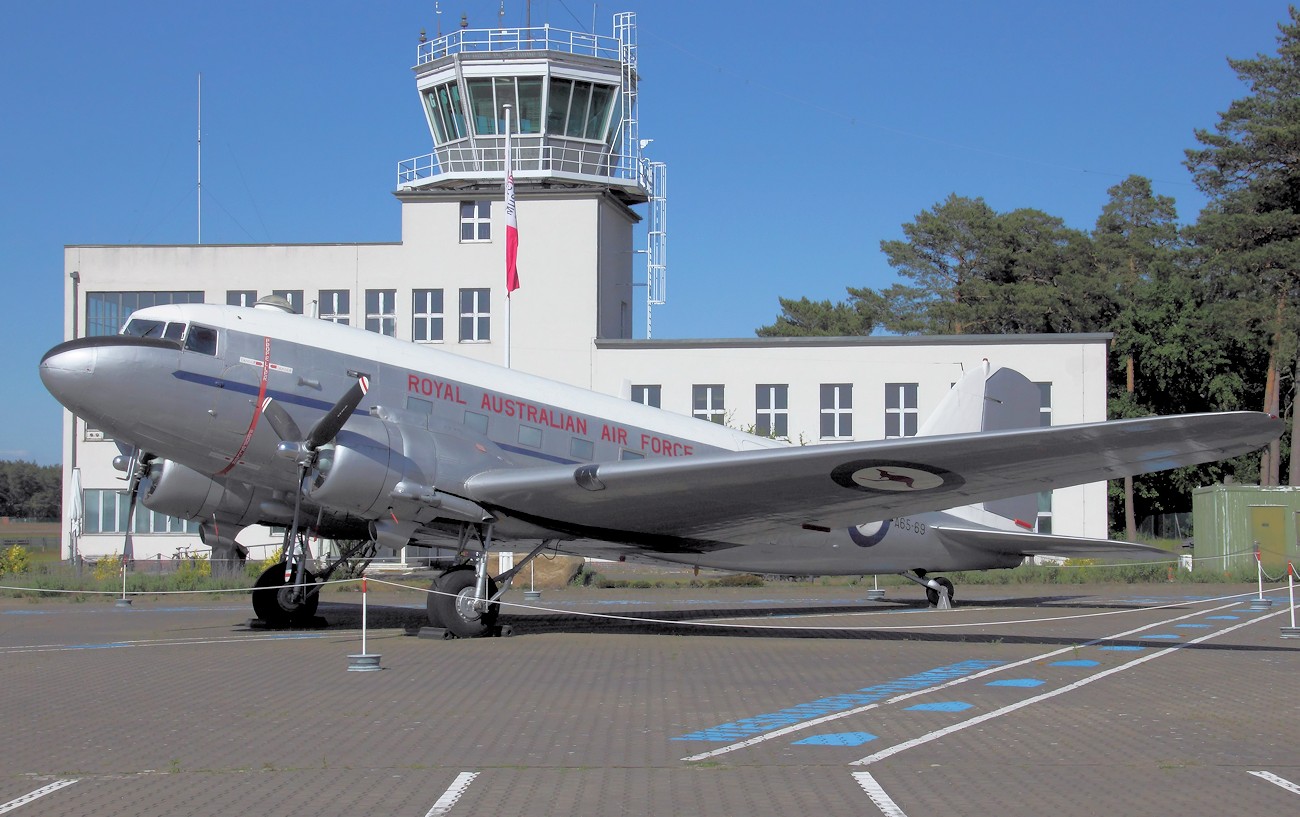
(142, 328)
(174, 331)
(201, 339)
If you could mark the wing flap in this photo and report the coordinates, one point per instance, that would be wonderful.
(1024, 543)
(748, 495)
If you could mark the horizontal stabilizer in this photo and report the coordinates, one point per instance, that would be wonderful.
(1024, 543)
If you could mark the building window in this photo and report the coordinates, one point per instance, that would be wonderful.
(1044, 404)
(106, 512)
(772, 418)
(900, 410)
(336, 306)
(426, 323)
(106, 312)
(475, 316)
(1044, 522)
(241, 297)
(647, 395)
(837, 411)
(708, 403)
(381, 311)
(475, 221)
(293, 296)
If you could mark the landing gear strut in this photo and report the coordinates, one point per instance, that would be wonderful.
(463, 600)
(938, 591)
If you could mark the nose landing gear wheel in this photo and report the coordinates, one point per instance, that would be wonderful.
(452, 607)
(274, 601)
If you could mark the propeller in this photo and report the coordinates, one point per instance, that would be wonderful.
(305, 450)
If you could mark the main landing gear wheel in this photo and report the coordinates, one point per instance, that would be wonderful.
(274, 602)
(452, 605)
(932, 595)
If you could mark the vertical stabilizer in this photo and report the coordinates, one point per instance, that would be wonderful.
(988, 399)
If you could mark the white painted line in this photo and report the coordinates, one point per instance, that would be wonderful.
(452, 794)
(797, 727)
(987, 716)
(36, 795)
(1277, 781)
(883, 801)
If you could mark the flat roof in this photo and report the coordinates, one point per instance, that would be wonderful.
(856, 340)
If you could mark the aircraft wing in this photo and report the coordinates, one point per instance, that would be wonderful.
(1025, 543)
(750, 496)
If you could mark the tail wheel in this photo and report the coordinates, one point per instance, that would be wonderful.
(274, 599)
(932, 595)
(452, 607)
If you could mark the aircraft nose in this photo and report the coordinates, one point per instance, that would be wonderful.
(66, 371)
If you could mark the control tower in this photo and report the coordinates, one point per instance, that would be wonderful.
(574, 134)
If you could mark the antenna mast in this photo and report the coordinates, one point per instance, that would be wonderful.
(199, 189)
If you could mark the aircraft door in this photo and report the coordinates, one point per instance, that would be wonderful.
(1268, 532)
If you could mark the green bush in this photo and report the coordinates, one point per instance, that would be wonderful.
(15, 559)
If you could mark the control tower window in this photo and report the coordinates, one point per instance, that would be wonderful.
(579, 109)
(530, 105)
(446, 112)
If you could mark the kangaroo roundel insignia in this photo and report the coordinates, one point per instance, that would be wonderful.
(875, 476)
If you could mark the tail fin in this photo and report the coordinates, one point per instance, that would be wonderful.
(987, 399)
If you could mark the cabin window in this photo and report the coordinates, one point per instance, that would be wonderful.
(631, 455)
(476, 422)
(201, 339)
(530, 436)
(419, 406)
(582, 449)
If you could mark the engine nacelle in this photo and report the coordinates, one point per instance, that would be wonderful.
(176, 490)
(360, 471)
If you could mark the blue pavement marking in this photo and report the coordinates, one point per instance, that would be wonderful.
(1079, 662)
(1016, 682)
(1192, 626)
(1163, 636)
(757, 725)
(1223, 618)
(841, 739)
(1123, 648)
(945, 706)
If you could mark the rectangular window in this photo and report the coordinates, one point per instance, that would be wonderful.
(708, 403)
(336, 306)
(647, 395)
(1044, 522)
(475, 221)
(106, 512)
(293, 296)
(475, 316)
(476, 422)
(241, 297)
(582, 449)
(201, 339)
(772, 418)
(530, 436)
(106, 312)
(837, 411)
(426, 323)
(381, 311)
(900, 410)
(1044, 404)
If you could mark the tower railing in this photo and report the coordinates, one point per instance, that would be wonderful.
(530, 154)
(492, 40)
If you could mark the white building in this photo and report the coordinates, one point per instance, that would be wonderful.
(580, 179)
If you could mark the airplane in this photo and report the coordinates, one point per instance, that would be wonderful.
(233, 416)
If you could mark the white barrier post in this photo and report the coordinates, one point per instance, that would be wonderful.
(124, 601)
(363, 662)
(1259, 602)
(1292, 631)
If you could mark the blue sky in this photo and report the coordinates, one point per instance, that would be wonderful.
(797, 136)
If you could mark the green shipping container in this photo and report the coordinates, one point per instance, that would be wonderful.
(1229, 522)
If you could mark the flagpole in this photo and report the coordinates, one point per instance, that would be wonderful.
(512, 232)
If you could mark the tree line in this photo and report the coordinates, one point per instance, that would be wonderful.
(30, 491)
(1205, 317)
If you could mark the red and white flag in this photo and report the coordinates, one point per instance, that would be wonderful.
(512, 226)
